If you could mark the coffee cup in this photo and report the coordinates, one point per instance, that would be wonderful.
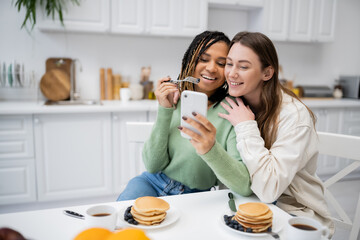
(103, 216)
(125, 94)
(299, 228)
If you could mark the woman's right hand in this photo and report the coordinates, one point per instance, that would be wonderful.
(238, 112)
(166, 93)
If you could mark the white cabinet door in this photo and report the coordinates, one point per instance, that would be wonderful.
(301, 20)
(17, 181)
(277, 15)
(177, 18)
(126, 164)
(328, 120)
(193, 18)
(16, 137)
(128, 16)
(351, 122)
(161, 16)
(89, 16)
(17, 164)
(73, 155)
(325, 19)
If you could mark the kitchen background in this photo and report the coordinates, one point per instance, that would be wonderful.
(39, 145)
(304, 62)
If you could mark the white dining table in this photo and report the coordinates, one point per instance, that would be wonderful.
(200, 216)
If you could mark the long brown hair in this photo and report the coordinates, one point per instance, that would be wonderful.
(271, 96)
(198, 46)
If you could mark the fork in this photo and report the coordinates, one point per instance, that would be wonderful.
(187, 79)
(274, 235)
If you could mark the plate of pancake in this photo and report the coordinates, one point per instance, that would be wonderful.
(149, 213)
(252, 219)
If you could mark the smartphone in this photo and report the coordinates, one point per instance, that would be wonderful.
(192, 102)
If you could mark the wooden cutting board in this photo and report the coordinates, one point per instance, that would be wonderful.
(55, 85)
(59, 63)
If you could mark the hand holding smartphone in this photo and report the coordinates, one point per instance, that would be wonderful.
(192, 102)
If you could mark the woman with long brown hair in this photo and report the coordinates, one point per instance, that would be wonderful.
(275, 131)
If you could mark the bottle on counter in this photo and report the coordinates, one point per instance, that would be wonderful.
(338, 90)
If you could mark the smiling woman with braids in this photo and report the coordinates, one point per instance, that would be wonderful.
(176, 165)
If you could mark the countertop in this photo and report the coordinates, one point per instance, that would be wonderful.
(38, 107)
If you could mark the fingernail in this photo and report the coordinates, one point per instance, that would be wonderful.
(194, 113)
(179, 127)
(185, 118)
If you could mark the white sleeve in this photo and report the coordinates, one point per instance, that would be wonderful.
(272, 171)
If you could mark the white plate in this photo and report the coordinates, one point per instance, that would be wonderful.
(172, 215)
(276, 227)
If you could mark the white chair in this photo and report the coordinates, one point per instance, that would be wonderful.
(137, 133)
(345, 147)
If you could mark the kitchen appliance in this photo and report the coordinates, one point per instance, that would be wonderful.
(315, 91)
(350, 86)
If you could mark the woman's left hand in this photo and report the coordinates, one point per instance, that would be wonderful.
(204, 141)
(238, 112)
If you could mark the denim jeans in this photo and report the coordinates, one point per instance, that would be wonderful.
(153, 184)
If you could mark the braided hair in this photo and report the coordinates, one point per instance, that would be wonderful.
(191, 57)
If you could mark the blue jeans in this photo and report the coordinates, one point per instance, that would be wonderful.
(156, 185)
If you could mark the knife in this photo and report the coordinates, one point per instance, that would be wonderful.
(232, 202)
(74, 214)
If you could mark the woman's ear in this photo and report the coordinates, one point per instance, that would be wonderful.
(268, 73)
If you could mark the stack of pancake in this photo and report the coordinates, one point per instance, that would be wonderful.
(149, 210)
(254, 215)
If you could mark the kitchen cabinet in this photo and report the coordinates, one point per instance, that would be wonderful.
(277, 19)
(336, 120)
(89, 16)
(17, 163)
(159, 17)
(128, 16)
(351, 122)
(73, 155)
(143, 17)
(299, 20)
(328, 120)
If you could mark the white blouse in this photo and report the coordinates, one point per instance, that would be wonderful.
(287, 172)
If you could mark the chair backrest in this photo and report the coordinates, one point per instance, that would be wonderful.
(345, 147)
(137, 133)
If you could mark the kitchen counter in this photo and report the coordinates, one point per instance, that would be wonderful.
(331, 102)
(33, 107)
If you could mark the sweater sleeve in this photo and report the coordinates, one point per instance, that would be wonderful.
(155, 152)
(273, 170)
(228, 167)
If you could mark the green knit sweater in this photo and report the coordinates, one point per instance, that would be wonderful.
(167, 151)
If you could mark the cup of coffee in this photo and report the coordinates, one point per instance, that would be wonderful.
(299, 228)
(125, 95)
(103, 216)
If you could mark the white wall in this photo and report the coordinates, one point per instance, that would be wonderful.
(307, 63)
(322, 63)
